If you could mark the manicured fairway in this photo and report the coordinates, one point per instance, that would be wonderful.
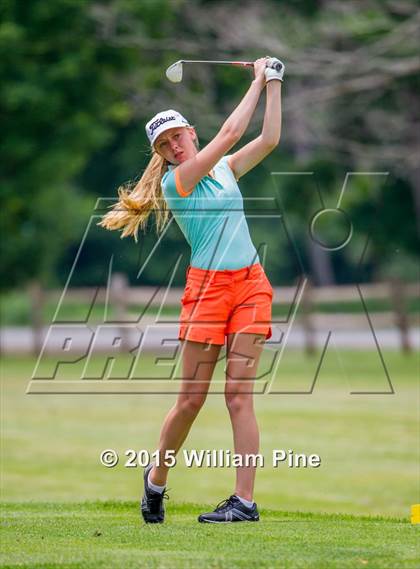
(110, 534)
(367, 442)
(326, 517)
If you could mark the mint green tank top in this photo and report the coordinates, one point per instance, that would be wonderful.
(212, 219)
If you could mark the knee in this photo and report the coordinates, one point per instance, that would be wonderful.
(238, 402)
(190, 405)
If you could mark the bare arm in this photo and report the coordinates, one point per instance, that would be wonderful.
(190, 172)
(255, 151)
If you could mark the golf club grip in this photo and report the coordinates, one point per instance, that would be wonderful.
(276, 66)
(243, 63)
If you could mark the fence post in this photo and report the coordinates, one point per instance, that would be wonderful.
(37, 302)
(119, 286)
(400, 313)
(308, 327)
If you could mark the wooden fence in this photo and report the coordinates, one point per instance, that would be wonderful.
(120, 296)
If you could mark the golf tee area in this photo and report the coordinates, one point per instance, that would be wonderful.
(62, 508)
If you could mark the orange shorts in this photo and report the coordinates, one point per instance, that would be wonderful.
(217, 303)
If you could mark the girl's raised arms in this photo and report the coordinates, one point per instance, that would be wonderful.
(190, 172)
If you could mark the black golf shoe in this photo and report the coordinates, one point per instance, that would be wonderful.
(152, 508)
(231, 510)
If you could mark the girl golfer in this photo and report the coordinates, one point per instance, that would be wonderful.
(227, 294)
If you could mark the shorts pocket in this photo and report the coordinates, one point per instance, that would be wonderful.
(261, 281)
(270, 288)
(187, 293)
(191, 292)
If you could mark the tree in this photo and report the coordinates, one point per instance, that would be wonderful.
(60, 102)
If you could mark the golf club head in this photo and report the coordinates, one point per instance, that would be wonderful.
(174, 72)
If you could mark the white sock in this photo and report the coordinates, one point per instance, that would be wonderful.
(154, 487)
(246, 503)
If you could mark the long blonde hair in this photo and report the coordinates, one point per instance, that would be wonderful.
(137, 201)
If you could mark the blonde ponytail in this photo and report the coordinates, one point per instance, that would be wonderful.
(136, 202)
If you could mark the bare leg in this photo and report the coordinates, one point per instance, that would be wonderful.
(243, 355)
(198, 363)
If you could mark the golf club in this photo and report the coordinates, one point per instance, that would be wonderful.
(175, 71)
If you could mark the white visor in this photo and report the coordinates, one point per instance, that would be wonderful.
(164, 121)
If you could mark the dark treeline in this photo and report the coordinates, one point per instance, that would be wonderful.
(79, 79)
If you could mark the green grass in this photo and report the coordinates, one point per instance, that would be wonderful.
(310, 517)
(110, 534)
